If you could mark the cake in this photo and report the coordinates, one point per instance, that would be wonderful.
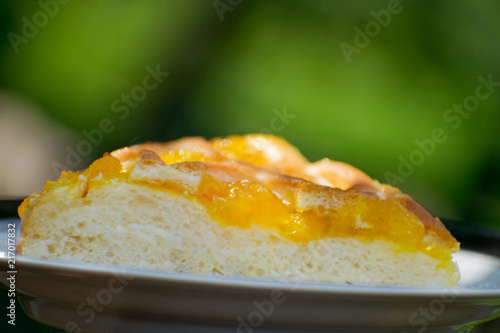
(246, 206)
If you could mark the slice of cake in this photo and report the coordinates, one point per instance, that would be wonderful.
(243, 206)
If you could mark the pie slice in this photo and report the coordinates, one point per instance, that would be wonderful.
(243, 206)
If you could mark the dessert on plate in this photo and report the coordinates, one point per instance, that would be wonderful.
(241, 206)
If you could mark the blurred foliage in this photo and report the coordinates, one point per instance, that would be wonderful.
(236, 70)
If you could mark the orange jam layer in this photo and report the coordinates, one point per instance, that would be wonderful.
(244, 204)
(183, 155)
(245, 148)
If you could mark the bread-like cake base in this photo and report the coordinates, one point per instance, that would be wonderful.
(152, 228)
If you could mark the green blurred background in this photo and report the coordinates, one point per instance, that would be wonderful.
(233, 68)
(259, 66)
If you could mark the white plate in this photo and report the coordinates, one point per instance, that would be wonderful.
(96, 298)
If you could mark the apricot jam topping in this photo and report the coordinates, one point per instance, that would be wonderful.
(244, 203)
(248, 149)
(183, 155)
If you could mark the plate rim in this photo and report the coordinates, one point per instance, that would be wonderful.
(57, 267)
